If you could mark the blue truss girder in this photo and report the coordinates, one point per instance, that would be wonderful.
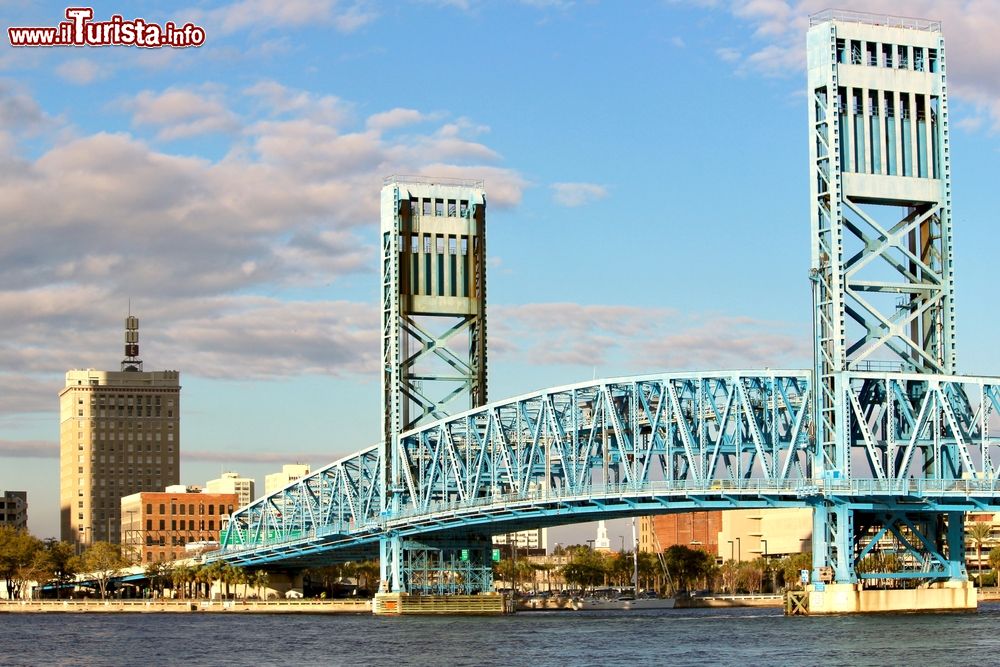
(642, 445)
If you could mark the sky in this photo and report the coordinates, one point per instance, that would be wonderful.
(646, 170)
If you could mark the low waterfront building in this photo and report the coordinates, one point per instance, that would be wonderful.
(158, 526)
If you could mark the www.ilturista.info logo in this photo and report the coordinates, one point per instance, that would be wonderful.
(82, 30)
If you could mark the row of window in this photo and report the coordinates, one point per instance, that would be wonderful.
(129, 459)
(100, 474)
(179, 524)
(428, 206)
(175, 540)
(125, 400)
(182, 509)
(893, 56)
(126, 412)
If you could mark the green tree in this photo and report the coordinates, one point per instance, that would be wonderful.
(18, 559)
(587, 568)
(229, 575)
(790, 568)
(688, 567)
(181, 576)
(994, 558)
(368, 572)
(750, 576)
(158, 573)
(103, 561)
(259, 579)
(979, 533)
(62, 563)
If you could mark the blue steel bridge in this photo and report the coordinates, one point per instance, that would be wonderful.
(881, 438)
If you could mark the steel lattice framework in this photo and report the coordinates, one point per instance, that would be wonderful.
(887, 446)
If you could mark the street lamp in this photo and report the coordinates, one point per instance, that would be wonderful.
(622, 549)
(730, 549)
(763, 546)
(739, 556)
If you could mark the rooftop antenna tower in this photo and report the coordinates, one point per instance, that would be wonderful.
(131, 362)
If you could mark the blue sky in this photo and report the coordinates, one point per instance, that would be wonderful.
(646, 173)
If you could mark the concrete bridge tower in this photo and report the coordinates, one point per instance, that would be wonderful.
(883, 309)
(433, 353)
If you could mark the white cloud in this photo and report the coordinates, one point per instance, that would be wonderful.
(280, 101)
(641, 337)
(82, 71)
(263, 15)
(18, 110)
(181, 113)
(394, 118)
(206, 248)
(728, 55)
(970, 29)
(577, 194)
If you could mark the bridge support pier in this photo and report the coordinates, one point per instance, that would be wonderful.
(887, 557)
(404, 604)
(460, 566)
(855, 599)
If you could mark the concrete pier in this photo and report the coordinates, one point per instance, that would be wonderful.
(403, 604)
(854, 599)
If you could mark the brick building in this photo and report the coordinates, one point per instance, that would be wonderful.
(158, 526)
(695, 530)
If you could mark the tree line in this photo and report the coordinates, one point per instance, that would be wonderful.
(681, 570)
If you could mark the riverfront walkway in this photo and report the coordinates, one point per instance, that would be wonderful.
(182, 606)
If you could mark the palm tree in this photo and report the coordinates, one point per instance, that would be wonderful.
(229, 575)
(179, 576)
(260, 579)
(980, 532)
(212, 572)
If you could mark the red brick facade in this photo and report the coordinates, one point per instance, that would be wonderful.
(157, 526)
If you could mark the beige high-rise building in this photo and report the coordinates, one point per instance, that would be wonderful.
(119, 434)
(232, 482)
(290, 472)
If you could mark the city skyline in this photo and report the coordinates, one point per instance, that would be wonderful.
(238, 206)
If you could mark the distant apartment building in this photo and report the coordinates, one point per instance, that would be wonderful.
(534, 539)
(159, 526)
(14, 509)
(290, 472)
(771, 533)
(731, 535)
(119, 434)
(232, 482)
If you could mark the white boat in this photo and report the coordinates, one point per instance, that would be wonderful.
(622, 603)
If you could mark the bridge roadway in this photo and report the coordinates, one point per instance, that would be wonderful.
(638, 446)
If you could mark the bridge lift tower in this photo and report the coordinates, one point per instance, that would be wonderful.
(433, 358)
(886, 407)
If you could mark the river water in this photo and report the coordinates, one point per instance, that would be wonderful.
(537, 639)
